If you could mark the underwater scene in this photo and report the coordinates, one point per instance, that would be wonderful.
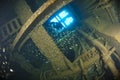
(60, 40)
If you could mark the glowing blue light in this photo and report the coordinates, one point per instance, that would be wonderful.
(54, 20)
(63, 24)
(68, 21)
(64, 18)
(58, 18)
(63, 14)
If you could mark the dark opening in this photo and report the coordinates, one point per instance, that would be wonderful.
(35, 4)
(19, 21)
(14, 24)
(33, 55)
(9, 27)
(60, 26)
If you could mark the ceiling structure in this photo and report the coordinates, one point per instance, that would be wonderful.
(62, 40)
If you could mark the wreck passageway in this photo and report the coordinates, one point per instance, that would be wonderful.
(67, 40)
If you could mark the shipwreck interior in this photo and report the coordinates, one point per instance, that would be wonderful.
(59, 40)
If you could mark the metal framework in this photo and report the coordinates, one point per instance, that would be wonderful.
(62, 66)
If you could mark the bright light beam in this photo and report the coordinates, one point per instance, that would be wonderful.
(68, 21)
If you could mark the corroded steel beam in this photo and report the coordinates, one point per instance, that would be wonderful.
(49, 48)
(41, 15)
(105, 53)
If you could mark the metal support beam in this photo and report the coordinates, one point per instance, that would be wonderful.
(41, 15)
(49, 49)
(104, 52)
